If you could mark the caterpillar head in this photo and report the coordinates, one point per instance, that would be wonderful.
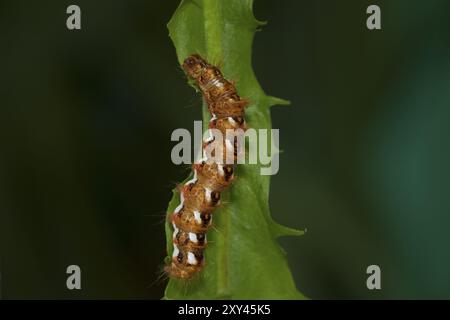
(194, 66)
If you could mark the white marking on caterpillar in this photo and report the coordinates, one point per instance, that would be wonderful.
(175, 230)
(220, 168)
(175, 251)
(232, 121)
(180, 206)
(208, 195)
(193, 237)
(191, 258)
(197, 217)
(210, 84)
(193, 180)
(216, 82)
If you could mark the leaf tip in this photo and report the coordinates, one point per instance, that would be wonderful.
(278, 101)
(261, 23)
(281, 231)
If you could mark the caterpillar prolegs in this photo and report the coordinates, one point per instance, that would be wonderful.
(201, 195)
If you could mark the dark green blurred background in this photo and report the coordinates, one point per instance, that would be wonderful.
(86, 118)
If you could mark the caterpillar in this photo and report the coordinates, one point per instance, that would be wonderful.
(201, 195)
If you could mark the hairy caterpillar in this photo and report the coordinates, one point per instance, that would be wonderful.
(201, 195)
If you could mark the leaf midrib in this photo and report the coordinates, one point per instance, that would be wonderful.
(212, 13)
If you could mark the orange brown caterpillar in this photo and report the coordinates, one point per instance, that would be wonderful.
(201, 195)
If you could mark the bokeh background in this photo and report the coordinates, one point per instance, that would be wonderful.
(86, 118)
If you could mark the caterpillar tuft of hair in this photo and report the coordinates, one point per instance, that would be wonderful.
(201, 195)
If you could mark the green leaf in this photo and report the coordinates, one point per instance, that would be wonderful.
(243, 259)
